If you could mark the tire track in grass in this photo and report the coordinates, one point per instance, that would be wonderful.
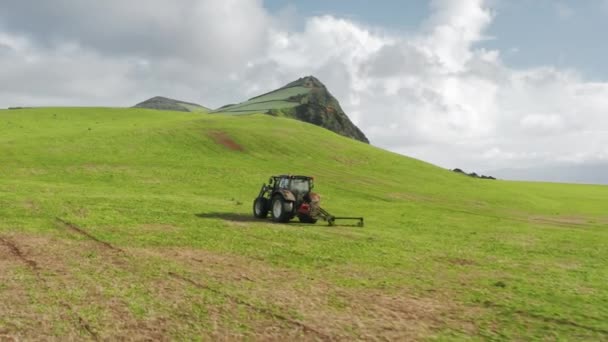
(12, 247)
(115, 256)
(34, 268)
(234, 299)
(86, 234)
(264, 311)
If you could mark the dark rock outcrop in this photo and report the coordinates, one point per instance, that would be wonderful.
(320, 108)
(473, 174)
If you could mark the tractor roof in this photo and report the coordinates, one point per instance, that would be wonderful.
(293, 177)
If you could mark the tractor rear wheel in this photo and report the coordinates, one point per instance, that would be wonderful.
(260, 207)
(280, 209)
(307, 219)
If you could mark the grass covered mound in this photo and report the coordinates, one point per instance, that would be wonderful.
(163, 103)
(137, 224)
(306, 99)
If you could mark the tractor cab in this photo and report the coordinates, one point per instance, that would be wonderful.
(299, 186)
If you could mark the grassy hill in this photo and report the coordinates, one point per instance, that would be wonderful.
(282, 98)
(305, 99)
(136, 223)
(164, 103)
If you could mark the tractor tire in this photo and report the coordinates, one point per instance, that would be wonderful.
(307, 219)
(260, 207)
(280, 209)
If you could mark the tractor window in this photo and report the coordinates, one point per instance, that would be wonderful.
(284, 183)
(300, 186)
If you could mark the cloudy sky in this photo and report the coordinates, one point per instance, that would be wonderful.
(475, 84)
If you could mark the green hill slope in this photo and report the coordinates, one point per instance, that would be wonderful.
(306, 99)
(163, 103)
(136, 223)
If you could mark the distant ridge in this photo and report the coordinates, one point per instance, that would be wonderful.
(164, 103)
(590, 173)
(306, 99)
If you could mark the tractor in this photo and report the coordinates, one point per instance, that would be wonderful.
(288, 196)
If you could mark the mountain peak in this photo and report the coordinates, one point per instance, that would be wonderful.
(305, 99)
(307, 82)
(165, 103)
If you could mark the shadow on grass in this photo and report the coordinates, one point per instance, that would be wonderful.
(234, 217)
(231, 217)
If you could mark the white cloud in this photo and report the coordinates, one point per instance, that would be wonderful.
(212, 33)
(564, 11)
(455, 27)
(550, 123)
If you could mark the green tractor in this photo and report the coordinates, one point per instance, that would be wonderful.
(288, 196)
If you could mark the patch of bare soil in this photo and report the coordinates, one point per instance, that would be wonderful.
(80, 285)
(260, 309)
(13, 297)
(460, 261)
(327, 311)
(222, 138)
(21, 313)
(106, 293)
(16, 252)
(32, 206)
(95, 293)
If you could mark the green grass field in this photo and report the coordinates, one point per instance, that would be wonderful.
(136, 224)
(195, 109)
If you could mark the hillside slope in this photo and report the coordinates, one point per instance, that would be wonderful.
(306, 99)
(136, 224)
(164, 103)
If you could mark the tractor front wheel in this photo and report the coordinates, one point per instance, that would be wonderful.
(281, 209)
(260, 207)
